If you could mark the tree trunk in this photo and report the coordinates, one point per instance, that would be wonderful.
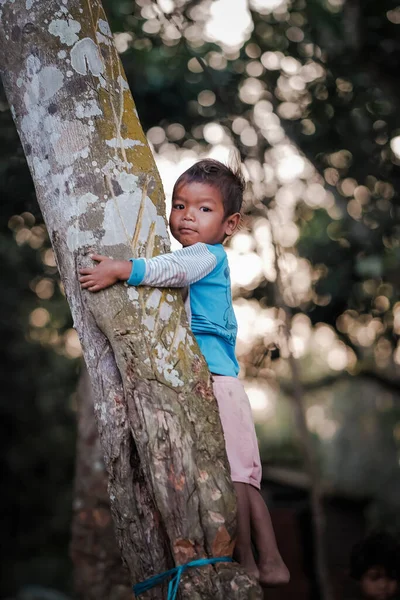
(98, 188)
(98, 570)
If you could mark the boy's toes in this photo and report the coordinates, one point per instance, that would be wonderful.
(273, 573)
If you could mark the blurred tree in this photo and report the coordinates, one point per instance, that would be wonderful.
(98, 568)
(67, 114)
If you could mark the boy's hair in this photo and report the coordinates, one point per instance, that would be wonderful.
(377, 550)
(228, 180)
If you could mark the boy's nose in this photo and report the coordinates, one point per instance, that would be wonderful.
(188, 216)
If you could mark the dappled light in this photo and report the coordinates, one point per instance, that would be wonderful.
(237, 23)
(262, 399)
(279, 74)
(307, 93)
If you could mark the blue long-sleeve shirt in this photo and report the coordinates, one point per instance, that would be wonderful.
(204, 269)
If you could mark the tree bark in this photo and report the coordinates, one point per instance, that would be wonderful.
(98, 569)
(98, 188)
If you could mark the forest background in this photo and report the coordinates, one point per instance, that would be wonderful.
(308, 92)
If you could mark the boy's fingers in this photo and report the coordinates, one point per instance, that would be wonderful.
(94, 288)
(85, 277)
(87, 284)
(98, 257)
(86, 271)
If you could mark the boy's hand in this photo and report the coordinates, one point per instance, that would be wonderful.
(106, 273)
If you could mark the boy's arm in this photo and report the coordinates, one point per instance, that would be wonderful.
(176, 269)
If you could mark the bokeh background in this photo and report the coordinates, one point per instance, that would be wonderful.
(308, 92)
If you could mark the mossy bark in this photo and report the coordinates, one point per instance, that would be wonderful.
(98, 188)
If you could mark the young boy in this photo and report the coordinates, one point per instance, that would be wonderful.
(206, 204)
(375, 565)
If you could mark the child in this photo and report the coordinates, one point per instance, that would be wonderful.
(375, 565)
(206, 204)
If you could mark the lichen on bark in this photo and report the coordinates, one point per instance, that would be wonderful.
(99, 189)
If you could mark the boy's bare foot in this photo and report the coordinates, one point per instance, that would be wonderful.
(273, 573)
(248, 563)
(252, 570)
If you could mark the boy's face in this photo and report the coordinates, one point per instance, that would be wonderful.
(197, 215)
(375, 584)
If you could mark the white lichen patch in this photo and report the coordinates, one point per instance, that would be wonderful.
(164, 367)
(123, 84)
(64, 140)
(127, 181)
(33, 65)
(41, 169)
(85, 201)
(165, 311)
(102, 39)
(216, 495)
(120, 215)
(170, 298)
(101, 411)
(104, 27)
(88, 108)
(62, 54)
(133, 294)
(82, 153)
(216, 517)
(61, 179)
(154, 299)
(123, 143)
(29, 4)
(50, 82)
(172, 376)
(85, 57)
(113, 167)
(78, 206)
(150, 216)
(102, 83)
(180, 336)
(149, 322)
(66, 30)
(76, 239)
(41, 84)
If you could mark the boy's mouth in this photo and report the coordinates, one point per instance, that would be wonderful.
(186, 230)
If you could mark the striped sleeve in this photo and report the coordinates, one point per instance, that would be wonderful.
(177, 269)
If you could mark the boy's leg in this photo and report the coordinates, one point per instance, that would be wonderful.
(271, 567)
(243, 551)
(244, 460)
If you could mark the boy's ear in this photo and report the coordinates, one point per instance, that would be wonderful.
(231, 223)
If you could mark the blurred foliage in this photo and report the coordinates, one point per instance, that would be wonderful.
(310, 98)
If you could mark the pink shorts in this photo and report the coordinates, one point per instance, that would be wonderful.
(239, 432)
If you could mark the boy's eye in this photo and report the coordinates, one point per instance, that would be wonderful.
(205, 209)
(178, 206)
